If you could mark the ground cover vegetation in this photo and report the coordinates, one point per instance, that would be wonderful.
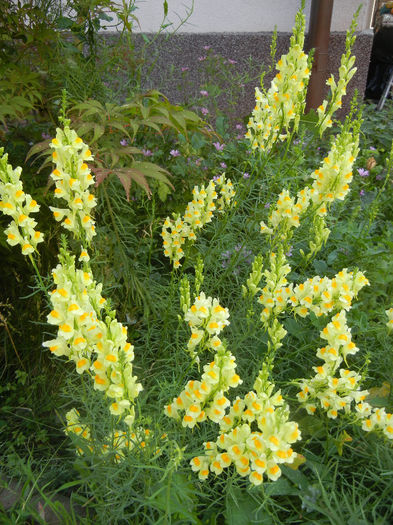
(196, 317)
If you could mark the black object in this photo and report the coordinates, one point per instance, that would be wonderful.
(381, 65)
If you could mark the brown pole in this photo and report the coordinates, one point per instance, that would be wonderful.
(318, 38)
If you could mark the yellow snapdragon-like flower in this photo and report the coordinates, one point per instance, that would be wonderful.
(282, 105)
(205, 399)
(206, 318)
(323, 295)
(327, 390)
(73, 179)
(98, 347)
(333, 177)
(199, 211)
(256, 437)
(18, 205)
(338, 89)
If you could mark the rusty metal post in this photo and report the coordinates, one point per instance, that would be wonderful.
(318, 38)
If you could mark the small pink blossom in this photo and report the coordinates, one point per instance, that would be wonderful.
(185, 69)
(246, 175)
(123, 142)
(201, 59)
(174, 153)
(218, 146)
(363, 173)
(230, 61)
(206, 48)
(146, 152)
(223, 165)
(204, 93)
(239, 126)
(204, 111)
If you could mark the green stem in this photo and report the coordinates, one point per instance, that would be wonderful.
(43, 287)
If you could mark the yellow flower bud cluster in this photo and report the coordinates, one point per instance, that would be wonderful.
(275, 294)
(284, 102)
(199, 212)
(389, 313)
(73, 178)
(18, 204)
(205, 399)
(337, 90)
(206, 318)
(99, 347)
(255, 438)
(325, 389)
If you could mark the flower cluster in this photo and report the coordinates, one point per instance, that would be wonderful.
(334, 392)
(206, 318)
(18, 204)
(338, 90)
(332, 179)
(97, 346)
(287, 212)
(325, 389)
(284, 102)
(199, 212)
(255, 437)
(331, 182)
(323, 295)
(73, 178)
(206, 398)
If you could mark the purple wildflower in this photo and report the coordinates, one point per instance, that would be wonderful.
(201, 59)
(267, 205)
(246, 175)
(379, 177)
(206, 48)
(363, 173)
(204, 111)
(372, 148)
(45, 136)
(289, 252)
(362, 192)
(230, 61)
(218, 146)
(223, 165)
(239, 126)
(216, 177)
(123, 142)
(204, 93)
(147, 152)
(185, 69)
(174, 153)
